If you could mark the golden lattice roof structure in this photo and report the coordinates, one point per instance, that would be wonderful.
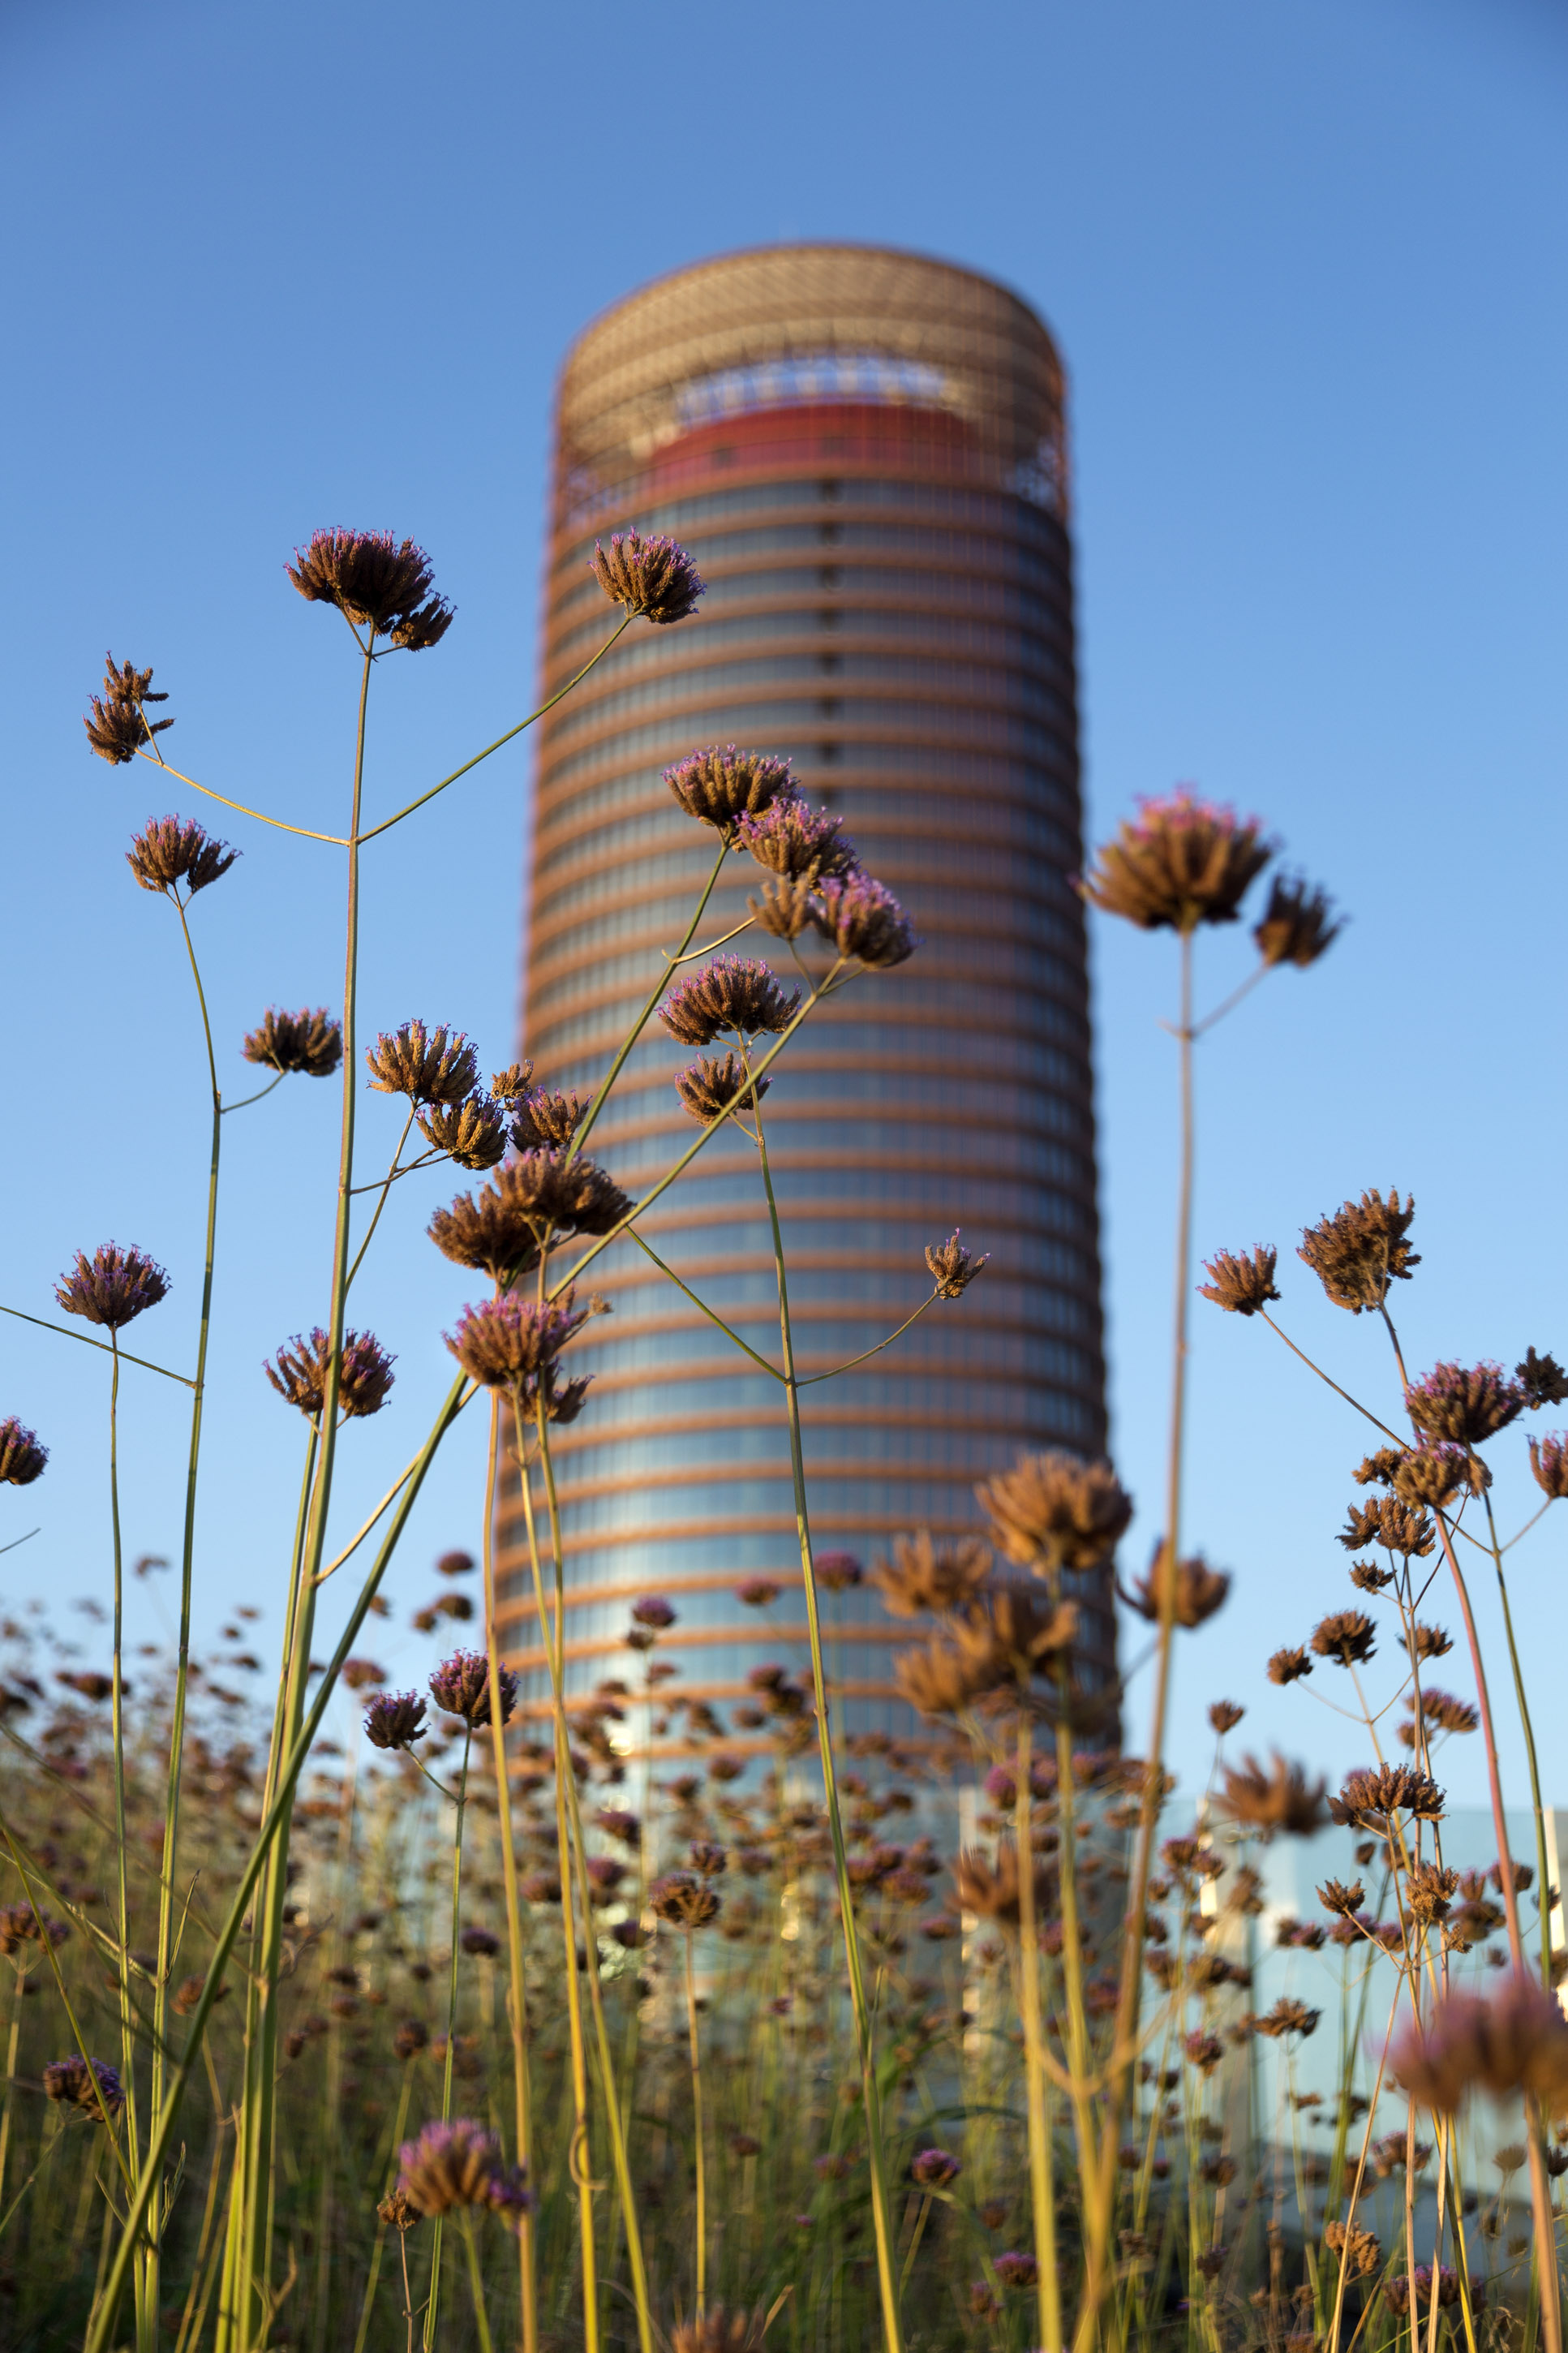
(955, 341)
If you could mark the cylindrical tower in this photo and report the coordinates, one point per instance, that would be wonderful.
(864, 451)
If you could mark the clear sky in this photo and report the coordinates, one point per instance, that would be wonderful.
(268, 268)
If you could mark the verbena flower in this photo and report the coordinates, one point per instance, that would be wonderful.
(653, 1611)
(715, 1084)
(310, 1043)
(935, 2168)
(117, 726)
(1056, 1511)
(860, 917)
(1516, 2042)
(683, 1901)
(1296, 928)
(655, 577)
(953, 1267)
(1543, 1379)
(112, 1287)
(1280, 1800)
(927, 1574)
(511, 1343)
(734, 992)
(381, 582)
(1431, 1476)
(22, 1458)
(994, 1889)
(547, 1116)
(169, 851)
(396, 1720)
(68, 2083)
(1370, 1799)
(461, 1684)
(1465, 1404)
(479, 1944)
(1242, 1286)
(791, 838)
(1181, 862)
(838, 1572)
(473, 1132)
(721, 784)
(458, 2164)
(1198, 1591)
(300, 1369)
(1359, 1251)
(1347, 1636)
(509, 1086)
(786, 908)
(428, 1066)
(1225, 1715)
(501, 1228)
(1549, 1466)
(719, 2331)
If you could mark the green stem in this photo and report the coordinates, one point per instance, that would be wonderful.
(1041, 2189)
(591, 1116)
(849, 1362)
(704, 1307)
(1543, 1876)
(100, 2332)
(123, 1353)
(887, 2272)
(517, 1996)
(432, 2308)
(384, 1189)
(476, 2283)
(694, 2042)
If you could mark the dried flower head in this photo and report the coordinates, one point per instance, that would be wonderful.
(838, 1572)
(511, 1343)
(718, 2331)
(859, 917)
(509, 1086)
(758, 1592)
(1346, 1901)
(1180, 863)
(1543, 1379)
(721, 784)
(395, 1720)
(378, 582)
(1359, 2251)
(501, 1228)
(655, 577)
(737, 993)
(19, 1925)
(461, 1684)
(300, 1371)
(1195, 1592)
(1516, 2042)
(170, 851)
(98, 2093)
(1432, 1642)
(428, 1066)
(715, 1085)
(1368, 1799)
(785, 909)
(1346, 1636)
(458, 2164)
(396, 2213)
(479, 1944)
(1431, 1477)
(1359, 1251)
(935, 1677)
(1465, 1404)
(1446, 1712)
(547, 1116)
(22, 1458)
(1549, 1466)
(473, 1132)
(117, 726)
(1017, 2268)
(790, 838)
(1281, 1800)
(953, 1268)
(1225, 1715)
(114, 1286)
(682, 1900)
(1289, 1666)
(1296, 926)
(935, 2168)
(1242, 1286)
(1377, 1470)
(1429, 1892)
(1008, 1637)
(312, 1043)
(1056, 1511)
(994, 1890)
(652, 1610)
(930, 1575)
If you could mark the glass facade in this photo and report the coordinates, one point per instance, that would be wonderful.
(889, 604)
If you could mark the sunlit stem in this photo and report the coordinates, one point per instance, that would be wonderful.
(1041, 2189)
(694, 2042)
(517, 1985)
(887, 2274)
(1543, 1876)
(432, 2309)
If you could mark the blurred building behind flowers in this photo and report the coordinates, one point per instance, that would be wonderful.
(865, 452)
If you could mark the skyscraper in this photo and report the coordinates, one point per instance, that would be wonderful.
(865, 452)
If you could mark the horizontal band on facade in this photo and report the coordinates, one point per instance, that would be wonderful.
(565, 811)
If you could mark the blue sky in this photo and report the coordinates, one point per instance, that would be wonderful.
(269, 268)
